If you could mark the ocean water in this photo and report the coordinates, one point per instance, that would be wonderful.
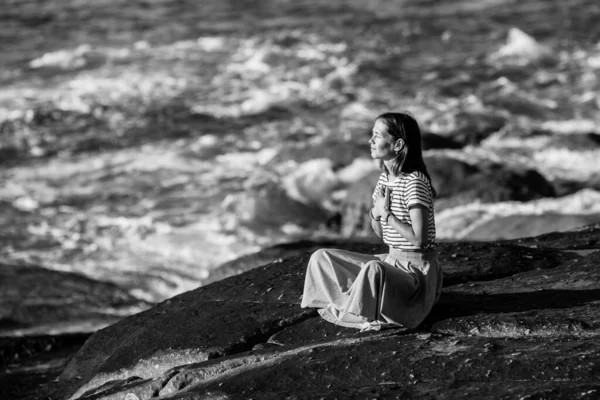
(148, 155)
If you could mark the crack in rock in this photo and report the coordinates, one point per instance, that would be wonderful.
(208, 372)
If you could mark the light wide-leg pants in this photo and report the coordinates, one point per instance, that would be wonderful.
(369, 291)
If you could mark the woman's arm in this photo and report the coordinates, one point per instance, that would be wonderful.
(375, 224)
(416, 233)
(381, 203)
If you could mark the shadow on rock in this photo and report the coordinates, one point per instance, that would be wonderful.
(453, 305)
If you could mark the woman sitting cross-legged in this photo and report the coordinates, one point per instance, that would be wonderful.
(398, 288)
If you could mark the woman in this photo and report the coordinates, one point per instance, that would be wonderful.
(398, 288)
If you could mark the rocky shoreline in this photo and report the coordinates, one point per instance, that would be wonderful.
(517, 319)
(27, 363)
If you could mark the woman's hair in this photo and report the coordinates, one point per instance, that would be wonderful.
(410, 158)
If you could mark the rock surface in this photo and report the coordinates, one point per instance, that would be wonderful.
(35, 301)
(517, 319)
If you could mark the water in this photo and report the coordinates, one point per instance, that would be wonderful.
(147, 155)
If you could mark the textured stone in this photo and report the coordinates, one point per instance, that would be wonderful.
(508, 313)
(35, 300)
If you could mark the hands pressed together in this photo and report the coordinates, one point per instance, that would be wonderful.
(381, 203)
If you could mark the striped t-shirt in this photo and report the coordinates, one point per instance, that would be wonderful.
(408, 191)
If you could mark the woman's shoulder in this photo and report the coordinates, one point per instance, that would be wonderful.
(416, 176)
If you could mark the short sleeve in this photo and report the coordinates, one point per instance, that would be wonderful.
(418, 192)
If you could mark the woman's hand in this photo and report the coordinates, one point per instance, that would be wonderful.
(381, 205)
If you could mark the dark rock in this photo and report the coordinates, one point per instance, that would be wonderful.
(523, 315)
(585, 237)
(389, 366)
(449, 176)
(280, 252)
(476, 261)
(519, 104)
(316, 330)
(14, 348)
(28, 362)
(407, 367)
(576, 274)
(518, 226)
(456, 183)
(564, 300)
(473, 127)
(54, 299)
(432, 141)
(565, 186)
(576, 142)
(8, 155)
(486, 182)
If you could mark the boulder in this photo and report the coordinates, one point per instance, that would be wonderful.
(486, 182)
(474, 126)
(56, 302)
(456, 183)
(509, 312)
(431, 140)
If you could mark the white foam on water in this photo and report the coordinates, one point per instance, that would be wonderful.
(572, 127)
(521, 47)
(65, 59)
(251, 79)
(565, 163)
(211, 43)
(357, 170)
(312, 181)
(553, 163)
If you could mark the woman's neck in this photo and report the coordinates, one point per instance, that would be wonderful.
(389, 165)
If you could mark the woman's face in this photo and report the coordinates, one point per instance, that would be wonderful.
(382, 143)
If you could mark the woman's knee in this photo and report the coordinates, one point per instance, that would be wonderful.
(319, 258)
(319, 254)
(373, 267)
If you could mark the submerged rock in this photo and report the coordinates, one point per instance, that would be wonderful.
(510, 312)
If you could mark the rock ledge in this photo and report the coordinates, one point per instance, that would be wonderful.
(517, 319)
